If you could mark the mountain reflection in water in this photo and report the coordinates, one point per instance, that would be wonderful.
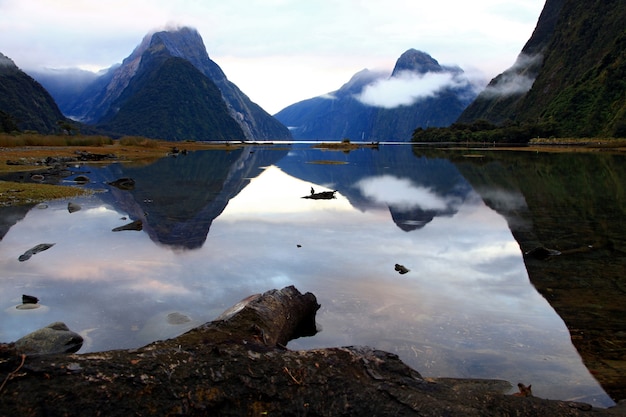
(466, 308)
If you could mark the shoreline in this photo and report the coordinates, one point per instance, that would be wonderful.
(30, 158)
(25, 159)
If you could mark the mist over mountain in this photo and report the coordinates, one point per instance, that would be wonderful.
(569, 74)
(116, 98)
(378, 106)
(24, 103)
(65, 84)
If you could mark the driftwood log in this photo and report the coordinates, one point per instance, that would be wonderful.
(239, 365)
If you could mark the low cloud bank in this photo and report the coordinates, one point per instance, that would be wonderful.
(408, 88)
(515, 80)
(5, 61)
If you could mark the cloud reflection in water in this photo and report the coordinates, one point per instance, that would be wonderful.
(401, 193)
(465, 309)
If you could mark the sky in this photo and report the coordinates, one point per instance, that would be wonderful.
(278, 52)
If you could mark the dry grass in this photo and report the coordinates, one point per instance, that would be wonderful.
(14, 193)
(577, 144)
(344, 145)
(132, 148)
(35, 139)
(30, 149)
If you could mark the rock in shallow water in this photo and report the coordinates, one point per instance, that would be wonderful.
(123, 184)
(137, 225)
(34, 250)
(177, 318)
(73, 207)
(54, 338)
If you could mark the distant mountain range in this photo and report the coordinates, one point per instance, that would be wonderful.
(374, 106)
(167, 88)
(569, 78)
(571, 73)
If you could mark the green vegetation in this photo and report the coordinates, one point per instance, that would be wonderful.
(172, 101)
(484, 131)
(580, 69)
(8, 123)
(13, 193)
(25, 104)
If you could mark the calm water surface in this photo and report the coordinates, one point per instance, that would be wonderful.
(219, 226)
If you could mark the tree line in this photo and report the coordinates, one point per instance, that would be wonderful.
(484, 131)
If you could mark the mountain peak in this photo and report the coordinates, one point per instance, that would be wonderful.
(416, 61)
(184, 42)
(361, 79)
(5, 61)
(374, 106)
(7, 66)
(163, 54)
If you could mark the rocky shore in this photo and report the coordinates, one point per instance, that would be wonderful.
(29, 175)
(239, 365)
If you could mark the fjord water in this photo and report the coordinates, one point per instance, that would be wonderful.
(221, 225)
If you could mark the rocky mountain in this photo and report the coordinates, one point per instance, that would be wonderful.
(374, 106)
(570, 73)
(336, 115)
(24, 103)
(154, 76)
(170, 99)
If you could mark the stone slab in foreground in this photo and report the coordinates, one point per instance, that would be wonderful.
(238, 365)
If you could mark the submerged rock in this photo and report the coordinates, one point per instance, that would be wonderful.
(54, 338)
(123, 183)
(136, 225)
(73, 207)
(177, 318)
(28, 306)
(34, 250)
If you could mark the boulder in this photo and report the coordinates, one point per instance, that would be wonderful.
(54, 338)
(239, 365)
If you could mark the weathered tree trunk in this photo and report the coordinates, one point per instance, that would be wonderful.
(238, 365)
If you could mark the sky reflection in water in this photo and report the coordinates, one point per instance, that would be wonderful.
(465, 309)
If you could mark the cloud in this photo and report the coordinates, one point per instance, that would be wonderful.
(5, 61)
(516, 80)
(406, 88)
(401, 193)
(509, 84)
